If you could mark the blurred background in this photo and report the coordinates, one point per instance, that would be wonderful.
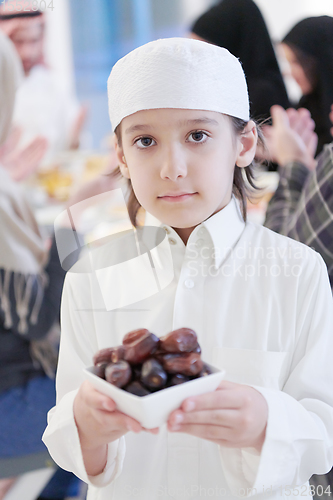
(60, 150)
(85, 38)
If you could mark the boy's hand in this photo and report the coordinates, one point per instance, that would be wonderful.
(234, 416)
(99, 423)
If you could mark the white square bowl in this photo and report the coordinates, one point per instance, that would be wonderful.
(154, 409)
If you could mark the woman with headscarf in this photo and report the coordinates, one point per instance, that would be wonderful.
(309, 50)
(31, 281)
(238, 25)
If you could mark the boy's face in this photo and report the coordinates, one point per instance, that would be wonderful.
(180, 162)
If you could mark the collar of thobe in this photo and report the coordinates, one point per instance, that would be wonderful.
(224, 230)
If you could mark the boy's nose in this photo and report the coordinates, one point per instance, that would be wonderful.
(174, 164)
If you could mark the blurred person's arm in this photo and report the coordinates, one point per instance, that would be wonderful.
(302, 206)
(74, 141)
(20, 162)
(291, 143)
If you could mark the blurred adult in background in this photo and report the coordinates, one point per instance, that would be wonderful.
(302, 206)
(43, 105)
(238, 25)
(31, 281)
(309, 50)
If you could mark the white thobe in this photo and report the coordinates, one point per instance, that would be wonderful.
(261, 305)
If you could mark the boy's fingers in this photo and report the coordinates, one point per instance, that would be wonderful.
(226, 384)
(101, 402)
(213, 400)
(212, 432)
(225, 418)
(152, 431)
(96, 399)
(128, 422)
(228, 395)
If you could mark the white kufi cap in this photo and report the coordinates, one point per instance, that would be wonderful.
(177, 73)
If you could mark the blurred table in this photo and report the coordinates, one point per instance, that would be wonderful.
(69, 169)
(50, 188)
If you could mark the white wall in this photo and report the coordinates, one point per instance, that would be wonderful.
(58, 44)
(281, 15)
(192, 9)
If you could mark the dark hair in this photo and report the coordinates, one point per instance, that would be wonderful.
(241, 175)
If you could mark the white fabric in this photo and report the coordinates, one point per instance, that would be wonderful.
(177, 73)
(261, 305)
(22, 248)
(45, 107)
(11, 73)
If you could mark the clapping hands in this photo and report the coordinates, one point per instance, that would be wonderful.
(291, 137)
(22, 161)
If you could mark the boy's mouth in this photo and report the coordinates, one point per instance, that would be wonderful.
(177, 196)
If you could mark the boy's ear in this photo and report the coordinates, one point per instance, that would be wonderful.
(122, 161)
(247, 145)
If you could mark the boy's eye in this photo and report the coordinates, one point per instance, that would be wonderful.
(197, 136)
(145, 142)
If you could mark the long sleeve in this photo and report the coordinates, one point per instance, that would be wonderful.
(299, 435)
(284, 202)
(302, 206)
(77, 345)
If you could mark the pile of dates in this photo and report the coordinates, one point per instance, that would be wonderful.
(145, 363)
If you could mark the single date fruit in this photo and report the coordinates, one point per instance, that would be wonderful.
(141, 349)
(177, 379)
(181, 340)
(137, 389)
(152, 375)
(134, 335)
(100, 369)
(118, 374)
(187, 364)
(109, 355)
